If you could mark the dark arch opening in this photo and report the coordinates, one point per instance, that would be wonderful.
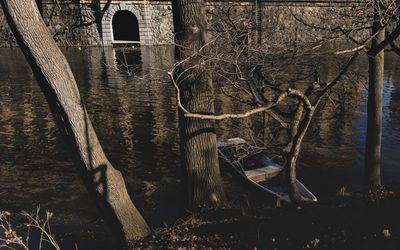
(125, 26)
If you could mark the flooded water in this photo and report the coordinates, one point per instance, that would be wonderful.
(334, 148)
(136, 122)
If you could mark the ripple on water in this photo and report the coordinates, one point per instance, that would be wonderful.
(136, 122)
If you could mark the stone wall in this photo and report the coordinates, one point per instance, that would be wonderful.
(71, 21)
(6, 37)
(289, 22)
(155, 21)
(68, 22)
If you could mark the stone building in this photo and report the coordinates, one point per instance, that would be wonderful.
(150, 22)
(80, 23)
(146, 22)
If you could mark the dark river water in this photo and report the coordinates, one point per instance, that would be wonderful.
(136, 121)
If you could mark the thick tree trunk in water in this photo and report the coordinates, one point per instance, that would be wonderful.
(198, 137)
(57, 82)
(374, 120)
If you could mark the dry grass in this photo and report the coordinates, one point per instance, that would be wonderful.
(10, 239)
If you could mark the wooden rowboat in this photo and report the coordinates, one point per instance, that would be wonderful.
(250, 164)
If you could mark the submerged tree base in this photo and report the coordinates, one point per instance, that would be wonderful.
(363, 220)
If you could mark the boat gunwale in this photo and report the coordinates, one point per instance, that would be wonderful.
(236, 141)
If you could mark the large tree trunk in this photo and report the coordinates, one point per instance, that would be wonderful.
(198, 137)
(374, 120)
(57, 82)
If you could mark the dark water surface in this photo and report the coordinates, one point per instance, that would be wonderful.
(136, 122)
(334, 149)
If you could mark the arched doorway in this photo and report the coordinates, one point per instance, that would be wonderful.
(125, 26)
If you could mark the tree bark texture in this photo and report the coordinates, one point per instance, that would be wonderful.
(374, 106)
(57, 82)
(198, 136)
(298, 129)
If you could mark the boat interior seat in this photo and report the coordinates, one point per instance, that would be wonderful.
(259, 160)
(264, 173)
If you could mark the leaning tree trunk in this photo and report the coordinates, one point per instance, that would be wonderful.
(374, 118)
(198, 137)
(298, 129)
(57, 82)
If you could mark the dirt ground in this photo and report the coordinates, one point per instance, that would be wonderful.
(349, 220)
(363, 220)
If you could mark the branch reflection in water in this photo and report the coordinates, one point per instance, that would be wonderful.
(136, 123)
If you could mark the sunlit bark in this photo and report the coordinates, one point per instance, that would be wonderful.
(58, 84)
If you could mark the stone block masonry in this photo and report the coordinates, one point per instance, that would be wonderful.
(284, 22)
(6, 37)
(70, 22)
(74, 22)
(154, 18)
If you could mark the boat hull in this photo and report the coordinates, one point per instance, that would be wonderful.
(258, 171)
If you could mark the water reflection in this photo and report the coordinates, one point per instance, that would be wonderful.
(333, 150)
(337, 155)
(391, 119)
(134, 117)
(132, 107)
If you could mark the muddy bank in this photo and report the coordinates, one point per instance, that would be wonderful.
(352, 222)
(349, 220)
